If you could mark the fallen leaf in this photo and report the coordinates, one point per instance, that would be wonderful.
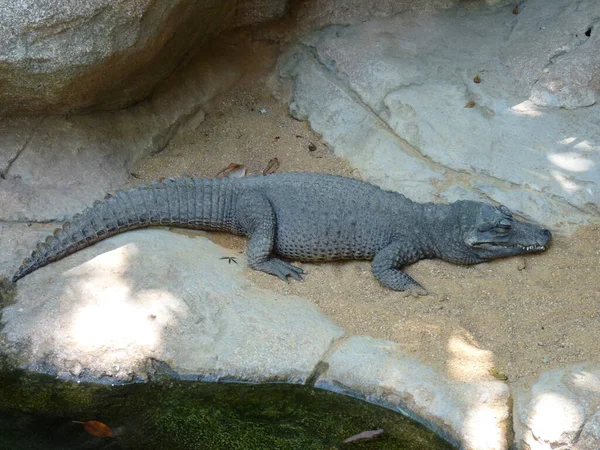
(364, 436)
(476, 79)
(272, 166)
(96, 428)
(470, 104)
(233, 170)
(516, 10)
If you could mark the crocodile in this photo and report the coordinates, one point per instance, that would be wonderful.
(305, 217)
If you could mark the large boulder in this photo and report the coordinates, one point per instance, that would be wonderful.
(553, 52)
(65, 57)
(153, 303)
(399, 98)
(560, 410)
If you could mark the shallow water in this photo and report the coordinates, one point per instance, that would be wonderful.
(38, 412)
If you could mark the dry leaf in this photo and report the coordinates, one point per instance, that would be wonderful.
(516, 10)
(364, 436)
(272, 166)
(96, 428)
(470, 104)
(476, 79)
(233, 170)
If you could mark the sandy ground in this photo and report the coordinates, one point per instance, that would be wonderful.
(521, 316)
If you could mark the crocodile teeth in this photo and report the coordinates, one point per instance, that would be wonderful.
(528, 248)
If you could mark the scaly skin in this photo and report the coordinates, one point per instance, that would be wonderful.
(306, 217)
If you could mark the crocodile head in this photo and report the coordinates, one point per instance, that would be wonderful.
(491, 232)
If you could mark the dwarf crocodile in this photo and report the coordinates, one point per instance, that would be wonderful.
(306, 217)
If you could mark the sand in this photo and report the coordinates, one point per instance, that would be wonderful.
(521, 315)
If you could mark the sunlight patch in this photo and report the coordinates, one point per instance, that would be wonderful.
(467, 361)
(568, 185)
(553, 415)
(481, 426)
(571, 161)
(526, 108)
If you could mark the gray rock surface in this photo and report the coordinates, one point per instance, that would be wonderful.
(106, 311)
(473, 415)
(51, 167)
(390, 96)
(252, 12)
(154, 302)
(318, 13)
(553, 52)
(64, 57)
(560, 410)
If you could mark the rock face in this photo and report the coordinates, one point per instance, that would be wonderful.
(472, 415)
(52, 167)
(397, 98)
(560, 411)
(64, 57)
(107, 310)
(553, 52)
(154, 302)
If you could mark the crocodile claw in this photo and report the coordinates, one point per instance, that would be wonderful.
(281, 269)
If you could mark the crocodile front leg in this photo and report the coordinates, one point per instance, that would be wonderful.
(257, 219)
(387, 263)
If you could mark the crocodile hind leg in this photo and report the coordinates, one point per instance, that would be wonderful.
(257, 219)
(386, 267)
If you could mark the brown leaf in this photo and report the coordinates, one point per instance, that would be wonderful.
(470, 104)
(364, 436)
(516, 10)
(96, 428)
(272, 166)
(233, 170)
(476, 79)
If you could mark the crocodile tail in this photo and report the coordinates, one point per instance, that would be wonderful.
(173, 202)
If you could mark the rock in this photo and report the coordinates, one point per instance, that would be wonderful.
(252, 12)
(590, 434)
(66, 57)
(552, 52)
(103, 313)
(389, 96)
(314, 14)
(17, 242)
(560, 410)
(53, 167)
(476, 416)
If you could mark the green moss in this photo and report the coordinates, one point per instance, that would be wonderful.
(192, 415)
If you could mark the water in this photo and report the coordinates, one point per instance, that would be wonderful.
(38, 412)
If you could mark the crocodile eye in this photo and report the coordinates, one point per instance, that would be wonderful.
(504, 226)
